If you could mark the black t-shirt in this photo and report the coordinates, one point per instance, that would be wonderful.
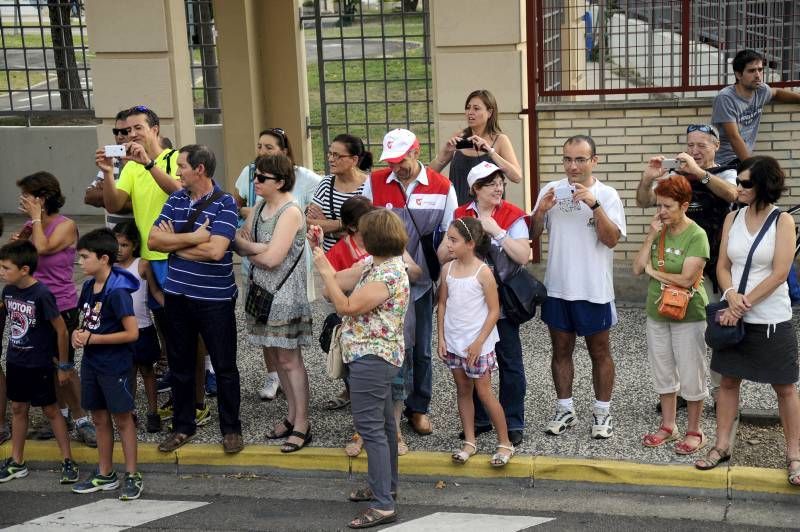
(102, 314)
(32, 340)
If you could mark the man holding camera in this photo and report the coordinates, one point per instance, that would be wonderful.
(584, 219)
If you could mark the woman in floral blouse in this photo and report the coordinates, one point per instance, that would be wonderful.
(373, 349)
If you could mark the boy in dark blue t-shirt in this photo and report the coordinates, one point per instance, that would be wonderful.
(107, 333)
(38, 337)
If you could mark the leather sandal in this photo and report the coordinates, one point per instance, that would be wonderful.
(793, 472)
(654, 440)
(372, 517)
(684, 448)
(462, 456)
(173, 441)
(500, 459)
(353, 448)
(272, 435)
(289, 447)
(709, 462)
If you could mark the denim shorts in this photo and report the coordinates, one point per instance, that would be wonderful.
(583, 318)
(106, 392)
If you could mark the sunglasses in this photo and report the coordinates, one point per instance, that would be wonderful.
(745, 184)
(261, 178)
(123, 131)
(280, 133)
(139, 109)
(703, 128)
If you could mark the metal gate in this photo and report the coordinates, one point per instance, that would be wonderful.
(369, 72)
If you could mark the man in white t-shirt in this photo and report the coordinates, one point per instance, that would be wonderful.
(584, 219)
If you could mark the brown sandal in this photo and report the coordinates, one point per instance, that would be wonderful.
(707, 462)
(365, 494)
(173, 441)
(372, 517)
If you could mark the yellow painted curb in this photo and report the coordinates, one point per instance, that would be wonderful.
(428, 463)
(311, 458)
(47, 451)
(762, 480)
(624, 472)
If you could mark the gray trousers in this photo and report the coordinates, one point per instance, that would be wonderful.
(373, 416)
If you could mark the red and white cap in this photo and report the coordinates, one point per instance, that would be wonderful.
(481, 170)
(396, 144)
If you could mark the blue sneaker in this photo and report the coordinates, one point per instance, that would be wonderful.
(211, 384)
(97, 482)
(132, 487)
(9, 470)
(69, 472)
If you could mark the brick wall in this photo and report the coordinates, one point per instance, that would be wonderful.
(629, 133)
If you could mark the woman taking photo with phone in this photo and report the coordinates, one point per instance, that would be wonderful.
(482, 140)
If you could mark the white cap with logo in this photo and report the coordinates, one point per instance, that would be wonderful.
(396, 144)
(481, 170)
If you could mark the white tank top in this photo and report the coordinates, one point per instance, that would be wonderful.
(465, 314)
(139, 297)
(776, 307)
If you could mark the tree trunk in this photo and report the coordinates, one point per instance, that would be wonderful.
(69, 81)
(204, 33)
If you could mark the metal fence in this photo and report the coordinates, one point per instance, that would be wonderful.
(626, 49)
(369, 71)
(44, 64)
(203, 61)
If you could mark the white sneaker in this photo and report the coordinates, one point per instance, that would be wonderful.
(271, 387)
(562, 420)
(602, 426)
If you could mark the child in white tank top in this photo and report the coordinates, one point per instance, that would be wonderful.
(469, 308)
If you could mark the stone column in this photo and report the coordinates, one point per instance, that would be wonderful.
(141, 58)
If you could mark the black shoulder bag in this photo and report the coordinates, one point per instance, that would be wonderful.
(720, 336)
(188, 227)
(426, 241)
(259, 300)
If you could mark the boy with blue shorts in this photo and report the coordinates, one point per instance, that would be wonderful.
(38, 334)
(107, 334)
(585, 220)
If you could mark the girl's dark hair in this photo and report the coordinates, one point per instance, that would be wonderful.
(768, 178)
(129, 231)
(44, 185)
(100, 242)
(355, 146)
(471, 230)
(353, 209)
(282, 138)
(488, 99)
(280, 166)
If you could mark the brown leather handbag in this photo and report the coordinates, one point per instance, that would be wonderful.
(674, 299)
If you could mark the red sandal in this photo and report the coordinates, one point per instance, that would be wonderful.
(684, 448)
(654, 440)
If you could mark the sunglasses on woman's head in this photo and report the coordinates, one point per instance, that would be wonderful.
(746, 183)
(263, 177)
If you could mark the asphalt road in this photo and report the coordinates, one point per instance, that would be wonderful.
(273, 501)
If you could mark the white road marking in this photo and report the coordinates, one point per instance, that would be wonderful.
(108, 515)
(458, 522)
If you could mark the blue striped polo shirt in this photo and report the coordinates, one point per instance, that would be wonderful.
(206, 280)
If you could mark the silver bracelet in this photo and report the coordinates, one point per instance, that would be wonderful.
(725, 293)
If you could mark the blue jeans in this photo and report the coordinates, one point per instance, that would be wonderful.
(215, 321)
(419, 399)
(512, 379)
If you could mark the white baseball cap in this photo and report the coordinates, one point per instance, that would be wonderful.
(481, 170)
(396, 144)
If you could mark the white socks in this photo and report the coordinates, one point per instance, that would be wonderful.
(602, 405)
(566, 403)
(209, 367)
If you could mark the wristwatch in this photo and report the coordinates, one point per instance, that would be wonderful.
(149, 166)
(596, 204)
(706, 178)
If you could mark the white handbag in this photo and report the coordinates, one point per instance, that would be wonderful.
(335, 363)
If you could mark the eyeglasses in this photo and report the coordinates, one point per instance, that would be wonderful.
(336, 156)
(703, 128)
(495, 184)
(580, 161)
(745, 184)
(261, 178)
(122, 131)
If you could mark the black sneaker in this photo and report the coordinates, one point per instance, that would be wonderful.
(97, 482)
(515, 436)
(131, 487)
(69, 472)
(164, 384)
(153, 423)
(9, 470)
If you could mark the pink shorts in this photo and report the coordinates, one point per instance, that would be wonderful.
(485, 363)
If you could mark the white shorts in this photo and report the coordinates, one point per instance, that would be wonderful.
(677, 354)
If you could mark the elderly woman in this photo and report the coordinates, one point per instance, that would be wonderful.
(768, 352)
(674, 253)
(510, 250)
(274, 239)
(481, 141)
(373, 349)
(55, 237)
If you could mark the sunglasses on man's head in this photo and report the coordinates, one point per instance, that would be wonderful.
(263, 177)
(703, 128)
(745, 183)
(121, 131)
(139, 109)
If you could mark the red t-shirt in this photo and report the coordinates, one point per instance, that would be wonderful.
(344, 254)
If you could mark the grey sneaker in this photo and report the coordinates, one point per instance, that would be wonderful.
(9, 470)
(561, 421)
(87, 434)
(69, 472)
(131, 487)
(602, 425)
(97, 482)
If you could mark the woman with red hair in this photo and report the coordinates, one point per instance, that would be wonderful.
(674, 253)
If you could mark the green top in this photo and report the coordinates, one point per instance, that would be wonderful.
(691, 242)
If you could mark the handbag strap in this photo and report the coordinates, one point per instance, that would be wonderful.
(772, 216)
(661, 243)
(330, 198)
(255, 234)
(199, 208)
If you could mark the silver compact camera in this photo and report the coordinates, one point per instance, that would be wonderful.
(564, 192)
(115, 150)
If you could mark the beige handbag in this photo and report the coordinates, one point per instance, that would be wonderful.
(335, 362)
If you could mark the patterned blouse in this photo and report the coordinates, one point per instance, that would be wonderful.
(379, 332)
